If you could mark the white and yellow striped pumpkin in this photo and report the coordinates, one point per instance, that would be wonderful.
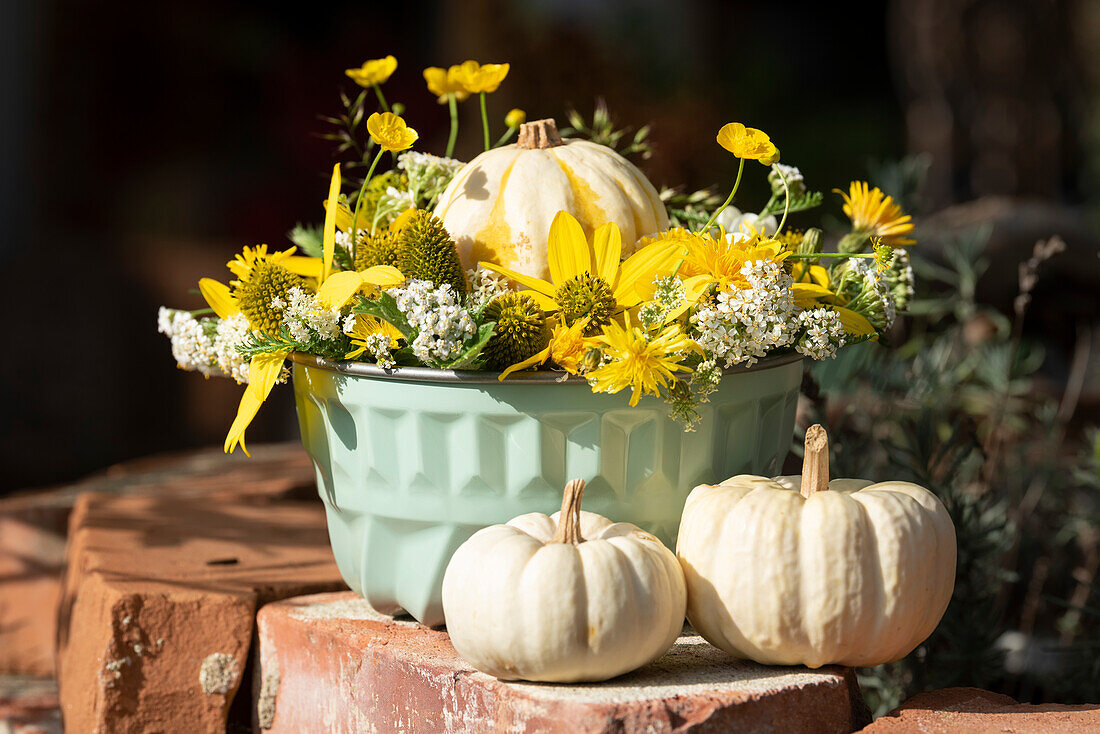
(801, 570)
(499, 206)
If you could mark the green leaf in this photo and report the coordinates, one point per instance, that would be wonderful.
(385, 307)
(308, 239)
(809, 200)
(469, 360)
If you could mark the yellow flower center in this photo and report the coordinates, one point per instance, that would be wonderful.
(586, 295)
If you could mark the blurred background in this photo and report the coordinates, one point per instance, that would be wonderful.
(143, 144)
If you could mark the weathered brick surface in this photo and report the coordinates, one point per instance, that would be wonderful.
(330, 663)
(974, 711)
(33, 527)
(159, 604)
(28, 706)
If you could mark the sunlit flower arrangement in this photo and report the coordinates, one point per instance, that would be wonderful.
(381, 281)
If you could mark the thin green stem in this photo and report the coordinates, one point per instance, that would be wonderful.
(452, 103)
(485, 120)
(201, 312)
(719, 210)
(505, 137)
(786, 199)
(816, 255)
(381, 99)
(362, 195)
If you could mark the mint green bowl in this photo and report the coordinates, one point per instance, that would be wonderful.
(411, 463)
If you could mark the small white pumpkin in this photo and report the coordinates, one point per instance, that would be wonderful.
(570, 597)
(499, 206)
(801, 570)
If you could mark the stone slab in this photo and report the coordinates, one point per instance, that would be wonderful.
(331, 663)
(976, 711)
(159, 601)
(28, 706)
(34, 524)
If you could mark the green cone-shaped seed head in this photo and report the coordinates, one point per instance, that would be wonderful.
(256, 291)
(379, 248)
(519, 332)
(427, 252)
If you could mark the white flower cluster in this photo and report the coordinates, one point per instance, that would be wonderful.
(378, 346)
(900, 277)
(428, 176)
(874, 285)
(745, 324)
(442, 324)
(344, 240)
(306, 318)
(822, 334)
(208, 346)
(668, 293)
(485, 285)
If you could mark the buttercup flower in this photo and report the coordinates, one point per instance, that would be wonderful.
(748, 143)
(390, 132)
(375, 71)
(515, 117)
(475, 77)
(638, 361)
(444, 82)
(874, 214)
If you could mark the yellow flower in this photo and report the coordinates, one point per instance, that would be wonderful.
(565, 349)
(639, 361)
(813, 287)
(442, 82)
(717, 261)
(748, 143)
(375, 71)
(390, 132)
(873, 213)
(515, 117)
(589, 280)
(475, 77)
(367, 326)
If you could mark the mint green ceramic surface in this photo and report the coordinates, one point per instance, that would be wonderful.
(409, 468)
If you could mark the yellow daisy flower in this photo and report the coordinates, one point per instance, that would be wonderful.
(589, 280)
(874, 214)
(390, 132)
(443, 82)
(748, 143)
(475, 77)
(638, 361)
(717, 261)
(367, 326)
(375, 71)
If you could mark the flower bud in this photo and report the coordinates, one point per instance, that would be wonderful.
(515, 118)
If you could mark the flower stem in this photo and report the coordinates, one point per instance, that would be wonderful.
(485, 120)
(736, 183)
(363, 193)
(816, 255)
(786, 199)
(505, 137)
(452, 103)
(381, 99)
(201, 312)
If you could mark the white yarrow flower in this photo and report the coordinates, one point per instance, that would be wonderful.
(442, 324)
(822, 335)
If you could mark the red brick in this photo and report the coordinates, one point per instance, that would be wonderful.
(974, 711)
(159, 604)
(330, 663)
(33, 526)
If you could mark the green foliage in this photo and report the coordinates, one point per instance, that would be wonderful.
(471, 358)
(427, 252)
(308, 238)
(261, 342)
(689, 210)
(800, 202)
(603, 131)
(385, 307)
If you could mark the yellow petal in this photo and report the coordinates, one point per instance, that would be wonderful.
(819, 275)
(383, 276)
(810, 290)
(537, 284)
(546, 303)
(263, 371)
(607, 245)
(310, 267)
(329, 240)
(218, 297)
(567, 249)
(339, 288)
(402, 219)
(529, 362)
(853, 323)
(644, 265)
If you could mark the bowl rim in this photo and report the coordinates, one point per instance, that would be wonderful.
(471, 377)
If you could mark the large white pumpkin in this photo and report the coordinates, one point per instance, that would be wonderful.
(801, 570)
(500, 205)
(570, 597)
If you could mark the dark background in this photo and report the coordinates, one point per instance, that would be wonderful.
(141, 145)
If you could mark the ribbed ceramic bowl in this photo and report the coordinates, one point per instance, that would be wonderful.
(411, 462)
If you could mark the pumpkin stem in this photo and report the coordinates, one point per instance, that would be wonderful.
(815, 462)
(569, 521)
(539, 134)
